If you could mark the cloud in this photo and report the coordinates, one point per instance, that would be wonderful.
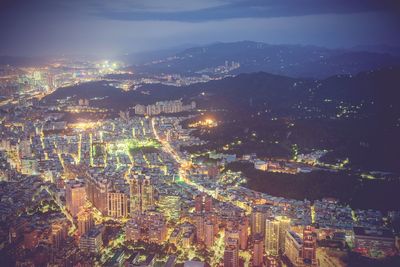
(157, 6)
(195, 11)
(122, 26)
(165, 6)
(112, 37)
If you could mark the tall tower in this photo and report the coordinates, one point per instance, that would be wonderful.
(198, 203)
(209, 234)
(199, 221)
(135, 194)
(75, 196)
(96, 191)
(102, 188)
(258, 217)
(141, 194)
(271, 237)
(284, 226)
(147, 194)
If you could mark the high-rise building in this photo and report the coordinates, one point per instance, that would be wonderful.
(37, 75)
(208, 206)
(157, 230)
(84, 221)
(118, 204)
(243, 232)
(200, 231)
(309, 245)
(91, 241)
(293, 248)
(140, 109)
(209, 234)
(153, 109)
(147, 194)
(231, 253)
(50, 81)
(231, 233)
(133, 230)
(258, 217)
(198, 203)
(96, 191)
(203, 203)
(258, 251)
(284, 226)
(75, 196)
(58, 233)
(135, 194)
(272, 237)
(174, 106)
(170, 205)
(141, 194)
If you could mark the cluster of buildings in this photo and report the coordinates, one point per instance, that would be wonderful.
(17, 82)
(89, 192)
(32, 222)
(281, 166)
(149, 226)
(166, 107)
(222, 69)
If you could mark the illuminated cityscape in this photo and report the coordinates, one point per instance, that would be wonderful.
(234, 153)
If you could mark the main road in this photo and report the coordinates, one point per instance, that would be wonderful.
(184, 168)
(184, 165)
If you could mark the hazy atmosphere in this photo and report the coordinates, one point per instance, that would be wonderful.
(199, 133)
(47, 27)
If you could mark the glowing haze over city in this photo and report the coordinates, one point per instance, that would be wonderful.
(200, 133)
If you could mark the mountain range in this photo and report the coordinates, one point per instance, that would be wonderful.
(287, 60)
(357, 116)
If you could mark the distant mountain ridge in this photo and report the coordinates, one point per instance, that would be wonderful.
(252, 91)
(385, 49)
(21, 61)
(287, 60)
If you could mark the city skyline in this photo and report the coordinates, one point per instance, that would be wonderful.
(199, 133)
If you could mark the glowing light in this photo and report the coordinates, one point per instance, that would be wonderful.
(208, 122)
(84, 125)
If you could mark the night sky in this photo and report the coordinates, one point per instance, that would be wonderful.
(114, 27)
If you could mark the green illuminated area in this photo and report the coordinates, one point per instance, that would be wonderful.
(98, 154)
(98, 150)
(44, 207)
(133, 146)
(144, 146)
(178, 179)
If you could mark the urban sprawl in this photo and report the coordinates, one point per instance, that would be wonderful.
(120, 191)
